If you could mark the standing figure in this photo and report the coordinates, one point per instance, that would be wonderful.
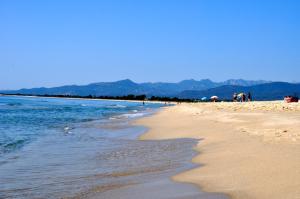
(249, 97)
(234, 98)
(243, 97)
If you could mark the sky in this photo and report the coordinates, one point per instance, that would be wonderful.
(62, 42)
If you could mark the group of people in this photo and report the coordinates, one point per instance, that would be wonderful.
(242, 97)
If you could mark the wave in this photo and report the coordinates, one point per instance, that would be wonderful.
(128, 116)
(13, 145)
(133, 115)
(116, 106)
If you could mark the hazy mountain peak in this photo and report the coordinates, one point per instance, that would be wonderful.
(127, 86)
(206, 80)
(125, 81)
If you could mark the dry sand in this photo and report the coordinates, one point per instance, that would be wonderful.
(246, 150)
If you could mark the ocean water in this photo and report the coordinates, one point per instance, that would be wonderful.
(72, 148)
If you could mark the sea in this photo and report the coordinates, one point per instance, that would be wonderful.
(75, 148)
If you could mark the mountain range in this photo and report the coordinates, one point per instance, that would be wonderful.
(267, 91)
(262, 90)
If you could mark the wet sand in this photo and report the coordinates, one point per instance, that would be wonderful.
(147, 170)
(162, 188)
(246, 150)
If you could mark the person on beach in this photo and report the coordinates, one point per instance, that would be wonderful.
(234, 98)
(243, 97)
(249, 97)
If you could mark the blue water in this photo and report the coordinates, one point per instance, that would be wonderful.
(71, 148)
(53, 145)
(23, 120)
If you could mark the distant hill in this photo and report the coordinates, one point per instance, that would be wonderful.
(268, 91)
(125, 87)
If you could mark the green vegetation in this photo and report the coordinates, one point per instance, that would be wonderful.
(127, 97)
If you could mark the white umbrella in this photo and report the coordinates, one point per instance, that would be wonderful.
(214, 97)
(240, 94)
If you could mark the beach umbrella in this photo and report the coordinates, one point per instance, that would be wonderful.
(204, 98)
(214, 98)
(240, 94)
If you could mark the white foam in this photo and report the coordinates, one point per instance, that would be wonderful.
(132, 115)
(127, 116)
(116, 106)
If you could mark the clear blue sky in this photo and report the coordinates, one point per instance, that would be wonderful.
(58, 42)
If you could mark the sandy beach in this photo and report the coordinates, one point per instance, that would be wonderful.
(246, 150)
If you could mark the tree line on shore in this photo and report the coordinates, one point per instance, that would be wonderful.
(126, 97)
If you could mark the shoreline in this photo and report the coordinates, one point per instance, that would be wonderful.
(157, 182)
(245, 150)
(95, 156)
(100, 158)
